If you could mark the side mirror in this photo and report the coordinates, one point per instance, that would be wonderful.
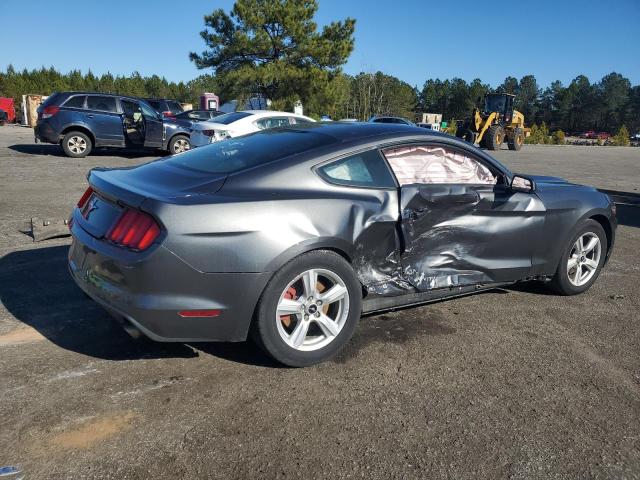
(522, 184)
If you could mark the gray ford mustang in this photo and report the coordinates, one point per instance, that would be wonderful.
(289, 235)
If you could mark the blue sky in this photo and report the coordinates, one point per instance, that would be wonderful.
(411, 39)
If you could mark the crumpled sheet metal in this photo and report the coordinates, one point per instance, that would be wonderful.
(429, 165)
(443, 243)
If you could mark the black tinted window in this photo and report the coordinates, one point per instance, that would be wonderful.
(75, 102)
(155, 104)
(174, 107)
(105, 104)
(240, 153)
(366, 169)
(51, 100)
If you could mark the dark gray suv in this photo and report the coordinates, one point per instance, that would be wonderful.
(81, 121)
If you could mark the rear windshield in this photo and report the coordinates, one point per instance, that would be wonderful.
(51, 99)
(155, 104)
(174, 107)
(229, 118)
(235, 154)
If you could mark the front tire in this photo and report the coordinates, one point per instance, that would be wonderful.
(308, 310)
(179, 144)
(516, 141)
(76, 144)
(582, 260)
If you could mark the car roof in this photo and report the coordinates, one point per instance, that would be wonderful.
(345, 138)
(102, 94)
(354, 131)
(269, 113)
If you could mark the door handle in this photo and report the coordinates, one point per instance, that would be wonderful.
(90, 116)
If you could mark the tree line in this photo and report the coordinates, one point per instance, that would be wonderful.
(605, 105)
(274, 49)
(45, 81)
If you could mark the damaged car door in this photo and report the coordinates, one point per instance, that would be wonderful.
(461, 222)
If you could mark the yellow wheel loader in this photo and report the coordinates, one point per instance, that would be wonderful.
(495, 124)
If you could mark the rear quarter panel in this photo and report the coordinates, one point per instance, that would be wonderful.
(258, 222)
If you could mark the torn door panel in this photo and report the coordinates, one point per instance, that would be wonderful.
(467, 234)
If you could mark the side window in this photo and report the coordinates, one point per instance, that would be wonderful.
(366, 169)
(436, 164)
(75, 102)
(147, 111)
(104, 104)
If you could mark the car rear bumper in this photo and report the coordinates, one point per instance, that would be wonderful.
(43, 132)
(148, 292)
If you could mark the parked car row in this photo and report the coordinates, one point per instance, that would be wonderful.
(591, 134)
(82, 121)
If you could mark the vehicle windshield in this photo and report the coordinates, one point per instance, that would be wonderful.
(229, 118)
(494, 103)
(240, 153)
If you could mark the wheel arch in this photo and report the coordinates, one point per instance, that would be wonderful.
(174, 135)
(78, 128)
(605, 222)
(337, 245)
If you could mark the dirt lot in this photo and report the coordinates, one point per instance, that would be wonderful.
(513, 383)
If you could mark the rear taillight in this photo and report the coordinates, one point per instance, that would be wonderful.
(135, 230)
(209, 133)
(168, 114)
(85, 198)
(49, 111)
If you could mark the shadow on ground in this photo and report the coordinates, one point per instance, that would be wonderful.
(628, 215)
(36, 288)
(55, 150)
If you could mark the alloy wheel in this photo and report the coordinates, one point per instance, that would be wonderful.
(584, 259)
(77, 144)
(312, 310)
(181, 145)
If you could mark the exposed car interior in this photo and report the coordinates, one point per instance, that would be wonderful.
(133, 122)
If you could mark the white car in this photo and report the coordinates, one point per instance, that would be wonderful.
(235, 124)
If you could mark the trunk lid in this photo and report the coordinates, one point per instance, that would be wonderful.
(116, 189)
(158, 180)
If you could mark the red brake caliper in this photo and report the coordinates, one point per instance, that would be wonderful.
(290, 294)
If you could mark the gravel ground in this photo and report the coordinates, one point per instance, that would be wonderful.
(513, 383)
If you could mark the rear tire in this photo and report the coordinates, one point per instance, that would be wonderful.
(179, 144)
(516, 141)
(493, 137)
(577, 271)
(314, 326)
(76, 144)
